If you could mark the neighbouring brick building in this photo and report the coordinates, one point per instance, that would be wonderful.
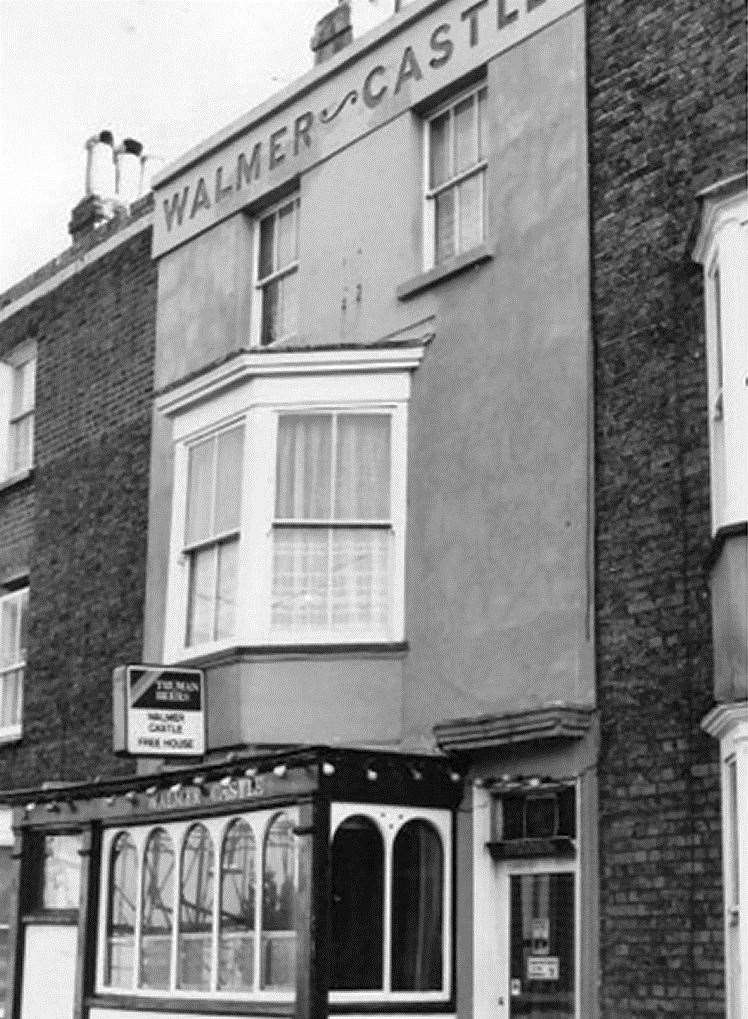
(411, 409)
(76, 349)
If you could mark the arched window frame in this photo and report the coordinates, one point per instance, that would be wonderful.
(260, 822)
(390, 820)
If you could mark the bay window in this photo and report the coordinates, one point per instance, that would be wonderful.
(288, 519)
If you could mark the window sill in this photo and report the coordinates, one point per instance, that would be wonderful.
(251, 652)
(476, 256)
(16, 479)
(10, 734)
(204, 1005)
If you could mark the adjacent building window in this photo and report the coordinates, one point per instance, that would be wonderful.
(13, 615)
(216, 910)
(288, 522)
(17, 402)
(277, 272)
(390, 903)
(456, 146)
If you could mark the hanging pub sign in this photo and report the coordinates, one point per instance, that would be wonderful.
(159, 711)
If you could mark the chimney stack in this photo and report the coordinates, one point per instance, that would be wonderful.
(332, 32)
(114, 179)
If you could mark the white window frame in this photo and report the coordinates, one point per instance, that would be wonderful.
(260, 822)
(19, 356)
(722, 248)
(389, 820)
(13, 732)
(729, 724)
(258, 400)
(430, 194)
(259, 283)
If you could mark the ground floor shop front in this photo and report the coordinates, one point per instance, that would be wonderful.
(312, 881)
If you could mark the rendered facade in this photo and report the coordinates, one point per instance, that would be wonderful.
(414, 422)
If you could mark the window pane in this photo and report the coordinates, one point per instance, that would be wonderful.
(266, 261)
(471, 212)
(286, 235)
(121, 899)
(303, 464)
(417, 892)
(439, 142)
(228, 562)
(61, 872)
(236, 936)
(200, 491)
(21, 442)
(300, 579)
(157, 911)
(465, 134)
(482, 124)
(444, 225)
(229, 480)
(196, 910)
(279, 889)
(11, 697)
(542, 944)
(24, 381)
(363, 467)
(10, 613)
(360, 580)
(357, 909)
(271, 330)
(201, 597)
(289, 305)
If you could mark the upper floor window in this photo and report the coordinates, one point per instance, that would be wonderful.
(288, 521)
(13, 614)
(17, 403)
(277, 273)
(456, 147)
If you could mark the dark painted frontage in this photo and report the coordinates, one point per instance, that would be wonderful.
(667, 118)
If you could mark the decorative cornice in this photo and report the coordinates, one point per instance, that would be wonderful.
(317, 361)
(724, 719)
(549, 722)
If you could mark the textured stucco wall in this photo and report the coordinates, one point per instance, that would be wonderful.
(497, 589)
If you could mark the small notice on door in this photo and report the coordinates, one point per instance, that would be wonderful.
(543, 967)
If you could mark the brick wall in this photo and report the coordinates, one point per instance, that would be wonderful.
(666, 107)
(89, 501)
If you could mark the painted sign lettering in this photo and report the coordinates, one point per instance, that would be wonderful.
(441, 44)
(164, 711)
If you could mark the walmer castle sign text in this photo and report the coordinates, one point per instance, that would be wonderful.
(323, 112)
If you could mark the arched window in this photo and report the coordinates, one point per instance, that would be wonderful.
(417, 881)
(279, 890)
(158, 911)
(196, 910)
(357, 906)
(120, 911)
(236, 933)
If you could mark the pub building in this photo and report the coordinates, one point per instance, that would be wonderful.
(385, 756)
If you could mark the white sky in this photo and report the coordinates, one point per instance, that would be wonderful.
(167, 72)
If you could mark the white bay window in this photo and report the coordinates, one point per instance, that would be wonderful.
(288, 523)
